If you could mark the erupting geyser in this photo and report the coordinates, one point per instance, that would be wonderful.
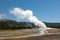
(28, 15)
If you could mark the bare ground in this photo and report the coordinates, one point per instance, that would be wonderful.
(54, 34)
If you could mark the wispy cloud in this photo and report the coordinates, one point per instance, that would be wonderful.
(3, 16)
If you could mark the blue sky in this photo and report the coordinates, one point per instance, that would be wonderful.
(45, 10)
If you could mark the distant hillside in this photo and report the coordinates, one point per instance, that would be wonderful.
(53, 25)
(10, 24)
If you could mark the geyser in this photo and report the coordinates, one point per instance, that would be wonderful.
(28, 15)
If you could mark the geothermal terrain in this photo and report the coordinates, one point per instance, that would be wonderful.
(29, 34)
(12, 30)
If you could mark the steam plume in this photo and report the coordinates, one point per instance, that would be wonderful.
(28, 14)
(2, 16)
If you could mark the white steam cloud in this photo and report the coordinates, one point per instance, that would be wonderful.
(2, 16)
(28, 15)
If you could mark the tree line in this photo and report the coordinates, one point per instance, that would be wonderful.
(12, 25)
